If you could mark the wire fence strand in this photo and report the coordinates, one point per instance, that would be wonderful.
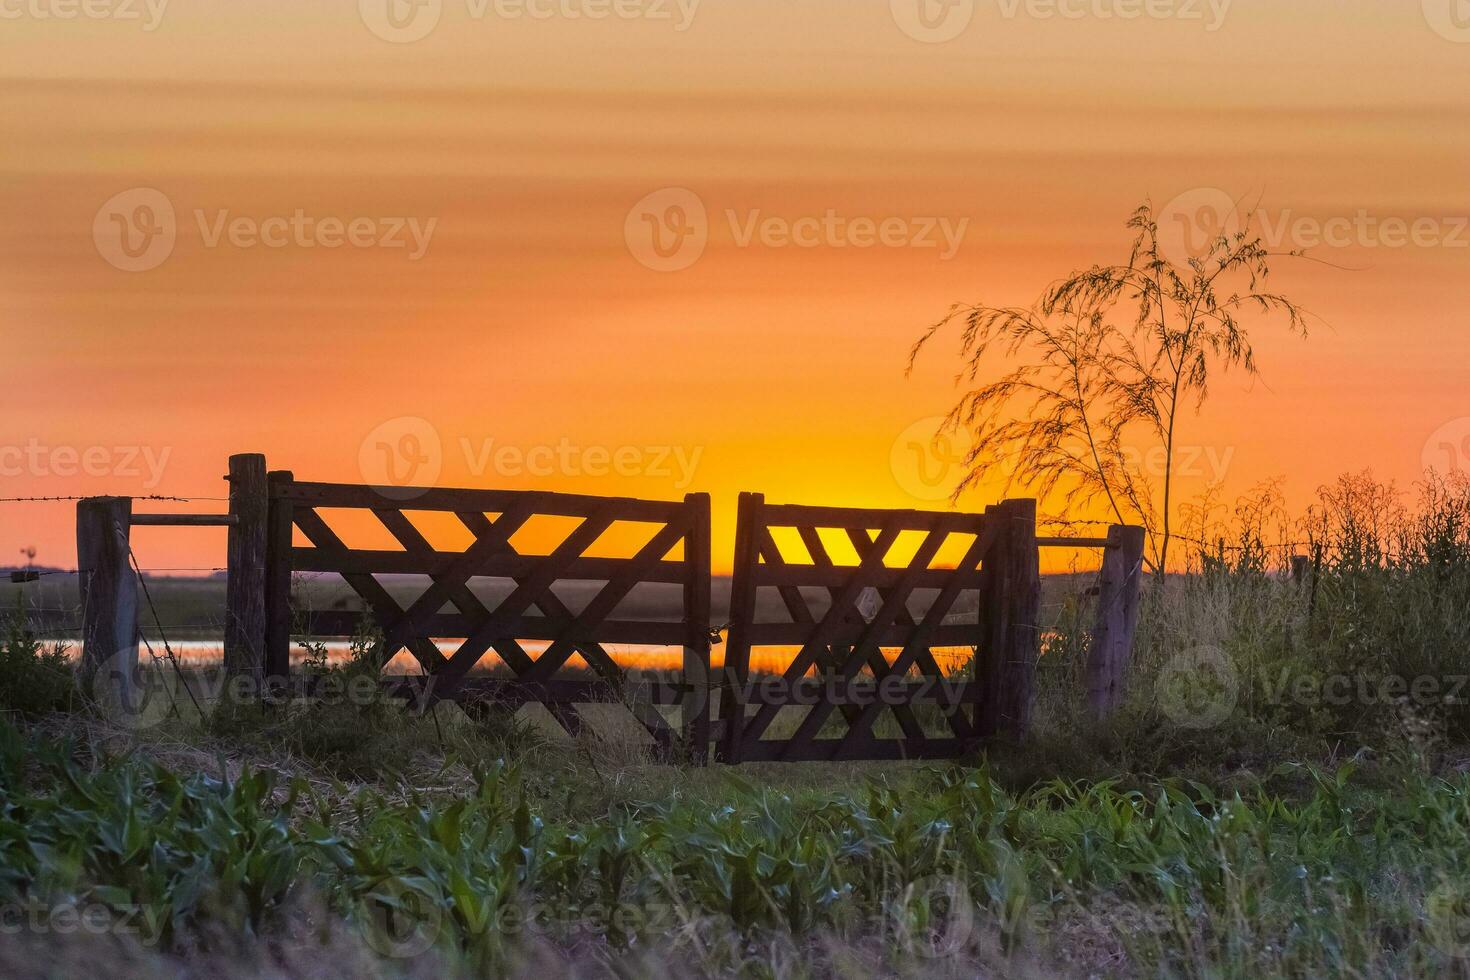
(130, 496)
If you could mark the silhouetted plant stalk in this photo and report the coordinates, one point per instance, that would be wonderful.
(1104, 359)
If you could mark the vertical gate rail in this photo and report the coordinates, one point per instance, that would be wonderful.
(841, 643)
(532, 611)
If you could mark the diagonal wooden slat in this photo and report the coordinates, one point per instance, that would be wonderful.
(866, 652)
(845, 644)
(607, 599)
(924, 657)
(456, 575)
(919, 640)
(600, 608)
(834, 656)
(522, 597)
(385, 608)
(451, 607)
(831, 626)
(461, 595)
(594, 653)
(553, 607)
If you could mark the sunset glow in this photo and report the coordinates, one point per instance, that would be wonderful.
(444, 230)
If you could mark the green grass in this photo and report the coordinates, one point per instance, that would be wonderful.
(1302, 871)
(1227, 823)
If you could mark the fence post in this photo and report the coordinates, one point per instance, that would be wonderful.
(1299, 566)
(696, 682)
(109, 596)
(277, 588)
(245, 579)
(1117, 619)
(1013, 637)
(736, 672)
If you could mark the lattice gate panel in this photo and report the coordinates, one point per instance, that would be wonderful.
(531, 613)
(839, 614)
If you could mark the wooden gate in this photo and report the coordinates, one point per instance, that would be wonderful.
(530, 610)
(862, 643)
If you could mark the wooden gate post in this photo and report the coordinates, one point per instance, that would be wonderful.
(736, 673)
(109, 595)
(1117, 619)
(1013, 611)
(278, 580)
(245, 579)
(695, 707)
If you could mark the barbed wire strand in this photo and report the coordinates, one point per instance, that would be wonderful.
(90, 496)
(158, 624)
(39, 573)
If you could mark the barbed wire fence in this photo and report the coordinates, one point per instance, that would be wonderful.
(49, 616)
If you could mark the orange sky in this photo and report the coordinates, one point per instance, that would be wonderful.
(528, 321)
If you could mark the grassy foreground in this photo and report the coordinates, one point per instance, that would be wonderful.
(132, 859)
(1285, 794)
